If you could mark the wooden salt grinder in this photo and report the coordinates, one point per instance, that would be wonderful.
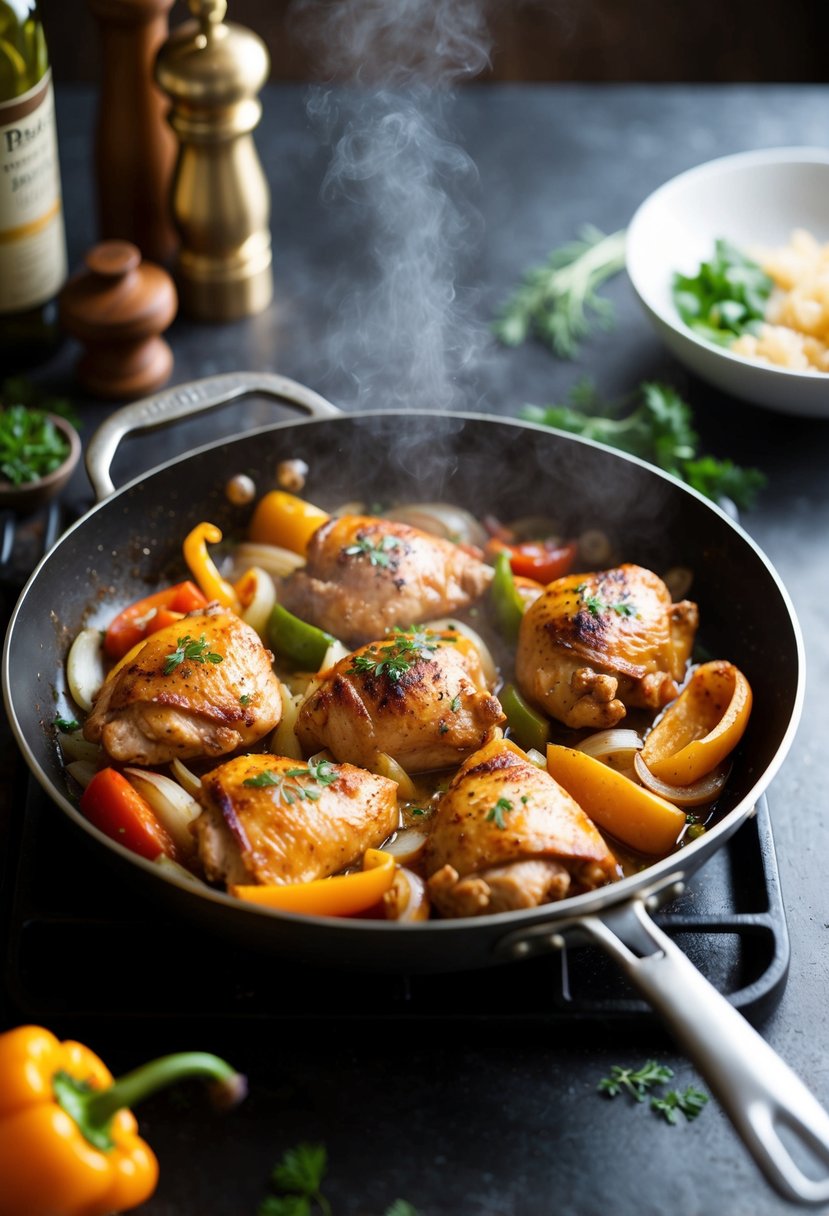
(117, 307)
(135, 149)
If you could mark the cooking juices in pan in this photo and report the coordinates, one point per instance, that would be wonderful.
(404, 714)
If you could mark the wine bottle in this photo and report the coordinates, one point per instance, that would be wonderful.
(32, 239)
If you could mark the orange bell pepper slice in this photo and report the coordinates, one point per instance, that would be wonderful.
(628, 811)
(342, 895)
(116, 807)
(285, 520)
(68, 1144)
(702, 726)
(147, 615)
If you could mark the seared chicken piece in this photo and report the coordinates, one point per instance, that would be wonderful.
(595, 644)
(419, 695)
(506, 835)
(202, 687)
(269, 819)
(365, 575)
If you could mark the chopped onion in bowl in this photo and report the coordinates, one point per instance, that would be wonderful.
(704, 790)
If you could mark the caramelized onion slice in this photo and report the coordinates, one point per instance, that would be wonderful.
(705, 790)
(611, 742)
(406, 846)
(441, 519)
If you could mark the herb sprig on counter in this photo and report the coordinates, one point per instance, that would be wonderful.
(658, 428)
(725, 298)
(638, 1082)
(297, 1180)
(558, 302)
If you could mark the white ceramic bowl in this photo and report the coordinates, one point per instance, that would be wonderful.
(751, 199)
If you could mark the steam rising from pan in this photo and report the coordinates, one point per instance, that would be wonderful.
(405, 334)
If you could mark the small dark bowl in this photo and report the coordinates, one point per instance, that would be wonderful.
(31, 495)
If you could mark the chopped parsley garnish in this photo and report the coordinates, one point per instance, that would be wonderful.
(725, 298)
(496, 813)
(634, 1081)
(395, 657)
(192, 651)
(595, 605)
(244, 699)
(288, 785)
(455, 704)
(67, 725)
(659, 429)
(31, 446)
(689, 1103)
(378, 554)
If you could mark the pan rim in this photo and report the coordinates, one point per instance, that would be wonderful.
(653, 877)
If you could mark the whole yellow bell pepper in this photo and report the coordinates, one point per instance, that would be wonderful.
(68, 1144)
(704, 724)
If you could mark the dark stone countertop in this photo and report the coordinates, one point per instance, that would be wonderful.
(507, 1123)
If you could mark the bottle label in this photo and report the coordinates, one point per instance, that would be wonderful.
(32, 241)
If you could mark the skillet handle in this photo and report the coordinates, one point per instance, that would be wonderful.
(758, 1091)
(184, 401)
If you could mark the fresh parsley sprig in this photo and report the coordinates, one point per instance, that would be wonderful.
(658, 428)
(288, 784)
(496, 813)
(396, 657)
(637, 1082)
(595, 605)
(558, 301)
(31, 446)
(297, 1181)
(379, 553)
(191, 650)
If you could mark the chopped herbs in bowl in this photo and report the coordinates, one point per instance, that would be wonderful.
(730, 262)
(38, 453)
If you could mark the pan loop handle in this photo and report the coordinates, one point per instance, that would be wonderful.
(184, 401)
(760, 1094)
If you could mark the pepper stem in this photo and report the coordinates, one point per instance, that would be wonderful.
(93, 1109)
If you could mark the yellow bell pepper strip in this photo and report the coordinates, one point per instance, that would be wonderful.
(617, 805)
(704, 724)
(203, 568)
(342, 895)
(69, 1145)
(507, 603)
(296, 640)
(285, 520)
(527, 727)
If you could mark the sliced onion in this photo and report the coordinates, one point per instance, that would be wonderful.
(406, 846)
(594, 547)
(704, 790)
(82, 771)
(448, 623)
(278, 562)
(611, 742)
(387, 766)
(441, 519)
(335, 652)
(73, 746)
(536, 757)
(85, 667)
(186, 778)
(173, 806)
(406, 901)
(177, 871)
(257, 591)
(283, 740)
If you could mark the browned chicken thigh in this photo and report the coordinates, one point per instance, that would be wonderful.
(365, 575)
(506, 835)
(269, 819)
(202, 687)
(419, 696)
(595, 644)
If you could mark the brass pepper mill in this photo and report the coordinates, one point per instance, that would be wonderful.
(212, 71)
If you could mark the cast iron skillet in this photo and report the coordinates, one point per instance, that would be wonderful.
(132, 538)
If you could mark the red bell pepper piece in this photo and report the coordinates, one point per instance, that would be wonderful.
(114, 806)
(147, 615)
(541, 560)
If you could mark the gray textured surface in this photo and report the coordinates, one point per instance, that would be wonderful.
(490, 1126)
